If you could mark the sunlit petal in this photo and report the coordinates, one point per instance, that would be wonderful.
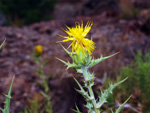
(77, 35)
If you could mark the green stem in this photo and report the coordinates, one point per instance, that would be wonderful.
(42, 76)
(87, 78)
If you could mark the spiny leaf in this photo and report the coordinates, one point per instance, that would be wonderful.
(120, 82)
(121, 106)
(82, 91)
(62, 61)
(77, 111)
(81, 88)
(69, 65)
(69, 53)
(44, 94)
(2, 44)
(8, 97)
(46, 62)
(89, 105)
(106, 93)
(96, 61)
(40, 84)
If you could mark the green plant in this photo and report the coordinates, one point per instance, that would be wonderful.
(82, 60)
(8, 96)
(27, 11)
(139, 79)
(7, 101)
(2, 44)
(35, 107)
(46, 106)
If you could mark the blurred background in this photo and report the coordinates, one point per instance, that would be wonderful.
(119, 26)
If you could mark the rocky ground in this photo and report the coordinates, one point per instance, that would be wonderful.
(110, 33)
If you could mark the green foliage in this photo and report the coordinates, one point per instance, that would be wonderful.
(102, 97)
(2, 44)
(88, 63)
(8, 97)
(139, 78)
(121, 106)
(47, 104)
(93, 105)
(82, 61)
(27, 11)
(106, 93)
(77, 111)
(7, 101)
(34, 107)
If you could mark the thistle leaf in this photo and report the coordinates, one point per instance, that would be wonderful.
(40, 84)
(82, 91)
(69, 65)
(89, 105)
(96, 61)
(2, 44)
(77, 111)
(121, 106)
(106, 93)
(69, 53)
(62, 61)
(44, 94)
(8, 97)
(81, 88)
(46, 62)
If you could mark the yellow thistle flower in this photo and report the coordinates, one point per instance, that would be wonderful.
(77, 36)
(38, 49)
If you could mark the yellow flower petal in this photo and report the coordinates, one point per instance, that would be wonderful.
(77, 36)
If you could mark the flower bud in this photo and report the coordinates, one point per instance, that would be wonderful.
(38, 50)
